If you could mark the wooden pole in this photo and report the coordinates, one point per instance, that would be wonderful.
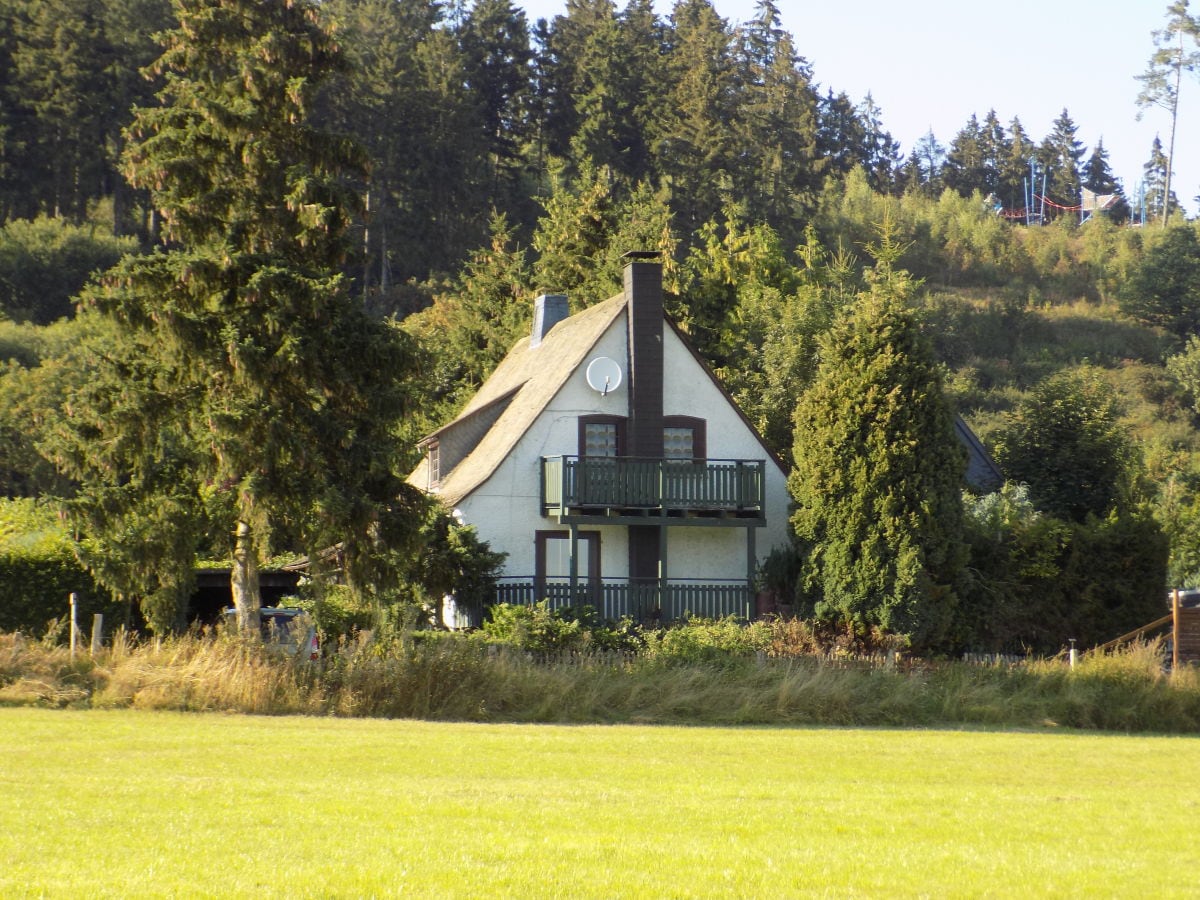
(1175, 630)
(97, 633)
(74, 622)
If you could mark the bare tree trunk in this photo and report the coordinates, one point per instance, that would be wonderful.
(1166, 203)
(243, 581)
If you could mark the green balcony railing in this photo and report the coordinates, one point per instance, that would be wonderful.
(572, 482)
(640, 599)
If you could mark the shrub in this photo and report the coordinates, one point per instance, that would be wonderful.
(38, 571)
(708, 641)
(534, 627)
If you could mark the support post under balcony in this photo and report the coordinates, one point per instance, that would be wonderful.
(751, 565)
(573, 561)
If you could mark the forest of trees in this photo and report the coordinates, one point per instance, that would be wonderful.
(469, 110)
(457, 160)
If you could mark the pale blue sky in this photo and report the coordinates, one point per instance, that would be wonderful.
(932, 63)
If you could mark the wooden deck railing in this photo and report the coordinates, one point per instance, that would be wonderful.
(571, 482)
(640, 600)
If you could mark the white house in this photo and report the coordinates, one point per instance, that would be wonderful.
(606, 460)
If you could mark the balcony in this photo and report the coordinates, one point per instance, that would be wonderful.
(589, 488)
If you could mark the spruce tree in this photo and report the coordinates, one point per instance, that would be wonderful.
(240, 338)
(778, 174)
(1061, 155)
(1159, 199)
(965, 170)
(878, 472)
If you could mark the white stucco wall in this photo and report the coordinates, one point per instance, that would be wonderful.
(507, 507)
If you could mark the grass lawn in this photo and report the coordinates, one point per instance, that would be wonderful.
(120, 804)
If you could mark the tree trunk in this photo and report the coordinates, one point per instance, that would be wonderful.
(243, 582)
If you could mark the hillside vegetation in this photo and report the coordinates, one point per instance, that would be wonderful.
(279, 330)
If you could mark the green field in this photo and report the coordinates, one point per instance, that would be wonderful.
(120, 804)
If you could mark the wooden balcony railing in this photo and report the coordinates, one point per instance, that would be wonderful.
(641, 600)
(575, 482)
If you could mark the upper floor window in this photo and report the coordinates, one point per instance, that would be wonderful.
(601, 436)
(684, 437)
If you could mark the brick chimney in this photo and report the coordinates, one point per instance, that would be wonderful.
(643, 293)
(644, 435)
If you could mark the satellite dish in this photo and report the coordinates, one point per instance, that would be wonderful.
(603, 375)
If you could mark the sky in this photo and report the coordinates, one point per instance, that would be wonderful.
(930, 64)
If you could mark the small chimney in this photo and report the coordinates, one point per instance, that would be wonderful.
(548, 311)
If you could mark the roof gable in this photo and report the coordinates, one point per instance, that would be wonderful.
(528, 379)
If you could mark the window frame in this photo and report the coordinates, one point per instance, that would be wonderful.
(585, 421)
(699, 428)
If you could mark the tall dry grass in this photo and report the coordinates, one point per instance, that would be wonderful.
(459, 679)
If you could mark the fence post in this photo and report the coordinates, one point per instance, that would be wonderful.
(1175, 630)
(97, 633)
(74, 622)
(1074, 654)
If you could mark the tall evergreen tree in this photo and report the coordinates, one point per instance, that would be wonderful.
(1014, 169)
(841, 134)
(495, 45)
(929, 159)
(966, 168)
(283, 394)
(878, 473)
(1177, 49)
(1158, 198)
(1099, 179)
(697, 154)
(778, 174)
(994, 148)
(880, 151)
(1060, 153)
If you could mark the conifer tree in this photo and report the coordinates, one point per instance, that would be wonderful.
(240, 337)
(1177, 50)
(881, 152)
(1014, 169)
(878, 473)
(929, 158)
(840, 133)
(994, 148)
(1160, 200)
(965, 170)
(698, 147)
(1061, 154)
(778, 175)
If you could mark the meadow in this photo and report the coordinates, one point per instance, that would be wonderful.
(127, 803)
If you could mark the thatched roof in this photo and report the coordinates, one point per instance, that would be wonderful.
(513, 397)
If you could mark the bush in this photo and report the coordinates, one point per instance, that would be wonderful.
(45, 262)
(536, 628)
(708, 641)
(39, 571)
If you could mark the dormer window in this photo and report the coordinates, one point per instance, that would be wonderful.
(435, 464)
